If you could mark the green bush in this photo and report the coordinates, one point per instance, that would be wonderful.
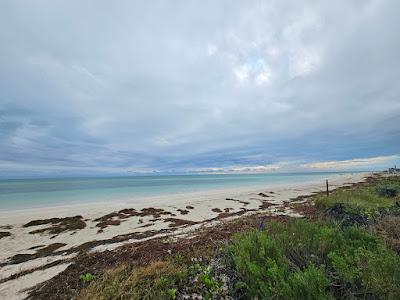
(311, 283)
(386, 191)
(265, 272)
(304, 260)
(389, 187)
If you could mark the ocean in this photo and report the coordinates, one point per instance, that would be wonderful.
(30, 193)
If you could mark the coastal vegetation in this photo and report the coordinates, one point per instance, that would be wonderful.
(346, 247)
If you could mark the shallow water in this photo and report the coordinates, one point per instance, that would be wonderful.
(28, 193)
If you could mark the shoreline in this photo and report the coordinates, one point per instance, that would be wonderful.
(57, 199)
(98, 227)
(170, 199)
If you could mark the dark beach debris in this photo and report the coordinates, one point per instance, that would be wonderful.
(108, 223)
(298, 198)
(6, 227)
(281, 209)
(25, 272)
(107, 217)
(19, 258)
(35, 247)
(114, 218)
(58, 225)
(216, 210)
(189, 207)
(183, 211)
(146, 225)
(224, 215)
(240, 201)
(179, 222)
(137, 235)
(51, 250)
(82, 249)
(265, 205)
(306, 209)
(4, 234)
(263, 195)
(154, 212)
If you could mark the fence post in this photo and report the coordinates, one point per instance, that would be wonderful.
(327, 188)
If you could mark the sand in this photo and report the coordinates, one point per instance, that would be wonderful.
(176, 214)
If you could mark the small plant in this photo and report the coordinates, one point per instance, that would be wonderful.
(209, 281)
(172, 293)
(88, 277)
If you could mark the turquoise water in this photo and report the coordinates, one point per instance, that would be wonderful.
(28, 193)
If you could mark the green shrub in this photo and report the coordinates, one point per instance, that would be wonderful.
(260, 264)
(387, 191)
(311, 283)
(305, 260)
(389, 187)
(265, 273)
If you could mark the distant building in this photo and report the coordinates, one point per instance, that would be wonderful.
(394, 170)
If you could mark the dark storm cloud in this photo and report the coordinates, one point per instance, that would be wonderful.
(100, 87)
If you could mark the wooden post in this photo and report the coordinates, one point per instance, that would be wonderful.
(327, 188)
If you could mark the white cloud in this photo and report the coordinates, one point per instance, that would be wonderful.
(211, 50)
(240, 169)
(242, 72)
(263, 77)
(305, 61)
(352, 163)
(198, 84)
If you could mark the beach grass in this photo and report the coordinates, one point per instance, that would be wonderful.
(155, 281)
(366, 201)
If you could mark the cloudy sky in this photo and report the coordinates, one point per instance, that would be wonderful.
(100, 87)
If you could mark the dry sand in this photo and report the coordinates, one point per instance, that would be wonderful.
(169, 215)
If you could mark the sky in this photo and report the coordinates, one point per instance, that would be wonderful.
(133, 87)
